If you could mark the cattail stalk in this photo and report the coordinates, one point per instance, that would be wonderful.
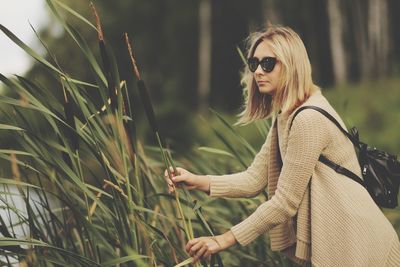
(166, 157)
(106, 61)
(114, 88)
(73, 137)
(69, 118)
(153, 124)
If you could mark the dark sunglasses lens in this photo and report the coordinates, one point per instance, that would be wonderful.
(253, 64)
(268, 64)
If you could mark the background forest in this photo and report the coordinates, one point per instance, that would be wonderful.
(187, 49)
(104, 202)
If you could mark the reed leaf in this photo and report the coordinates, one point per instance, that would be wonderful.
(215, 151)
(10, 127)
(243, 141)
(36, 56)
(133, 258)
(5, 242)
(74, 13)
(108, 206)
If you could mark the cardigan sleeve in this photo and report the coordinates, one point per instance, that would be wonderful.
(307, 139)
(248, 183)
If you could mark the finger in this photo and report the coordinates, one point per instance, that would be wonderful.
(167, 178)
(181, 170)
(200, 253)
(170, 184)
(193, 250)
(171, 189)
(190, 244)
(178, 179)
(171, 170)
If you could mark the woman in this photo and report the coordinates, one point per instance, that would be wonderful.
(313, 215)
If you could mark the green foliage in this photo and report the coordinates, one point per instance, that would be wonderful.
(373, 108)
(92, 193)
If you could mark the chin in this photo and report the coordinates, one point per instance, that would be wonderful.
(266, 91)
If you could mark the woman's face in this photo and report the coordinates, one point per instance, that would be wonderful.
(267, 82)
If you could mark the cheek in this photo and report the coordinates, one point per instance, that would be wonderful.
(277, 74)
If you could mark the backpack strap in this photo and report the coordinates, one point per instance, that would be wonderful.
(330, 117)
(339, 169)
(322, 158)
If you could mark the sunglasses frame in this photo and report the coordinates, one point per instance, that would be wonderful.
(267, 63)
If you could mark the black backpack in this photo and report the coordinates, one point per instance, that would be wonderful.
(380, 170)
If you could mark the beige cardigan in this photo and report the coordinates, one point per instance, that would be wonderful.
(313, 215)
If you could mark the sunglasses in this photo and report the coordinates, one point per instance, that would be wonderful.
(267, 63)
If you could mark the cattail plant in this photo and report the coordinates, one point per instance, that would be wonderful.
(91, 191)
(153, 124)
(166, 155)
(112, 91)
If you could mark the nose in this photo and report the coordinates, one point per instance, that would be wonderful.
(259, 70)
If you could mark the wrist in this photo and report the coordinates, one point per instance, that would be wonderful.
(226, 240)
(205, 185)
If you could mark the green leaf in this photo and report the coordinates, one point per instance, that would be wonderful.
(74, 13)
(215, 151)
(80, 41)
(16, 152)
(241, 55)
(10, 127)
(123, 259)
(6, 181)
(4, 241)
(249, 148)
(35, 55)
(185, 262)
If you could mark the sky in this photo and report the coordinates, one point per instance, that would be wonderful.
(16, 16)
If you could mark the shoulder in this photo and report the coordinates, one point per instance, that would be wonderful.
(310, 128)
(307, 120)
(312, 122)
(303, 115)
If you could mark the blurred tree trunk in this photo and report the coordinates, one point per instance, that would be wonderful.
(336, 40)
(378, 36)
(360, 37)
(372, 37)
(394, 45)
(205, 35)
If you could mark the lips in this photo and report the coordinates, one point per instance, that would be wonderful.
(262, 82)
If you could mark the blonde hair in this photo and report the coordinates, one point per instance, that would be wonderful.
(295, 85)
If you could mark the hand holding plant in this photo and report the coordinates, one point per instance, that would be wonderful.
(192, 181)
(204, 247)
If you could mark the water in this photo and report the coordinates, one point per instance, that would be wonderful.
(13, 212)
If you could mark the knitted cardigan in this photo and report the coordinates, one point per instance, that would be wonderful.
(313, 214)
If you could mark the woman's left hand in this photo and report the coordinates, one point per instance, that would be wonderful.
(203, 247)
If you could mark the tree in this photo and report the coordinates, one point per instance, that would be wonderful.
(205, 38)
(336, 38)
(371, 37)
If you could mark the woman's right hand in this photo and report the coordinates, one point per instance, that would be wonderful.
(192, 181)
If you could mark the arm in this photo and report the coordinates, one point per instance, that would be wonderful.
(248, 183)
(307, 139)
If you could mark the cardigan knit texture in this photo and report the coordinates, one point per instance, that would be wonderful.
(314, 215)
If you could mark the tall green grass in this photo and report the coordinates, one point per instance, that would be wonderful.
(93, 194)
